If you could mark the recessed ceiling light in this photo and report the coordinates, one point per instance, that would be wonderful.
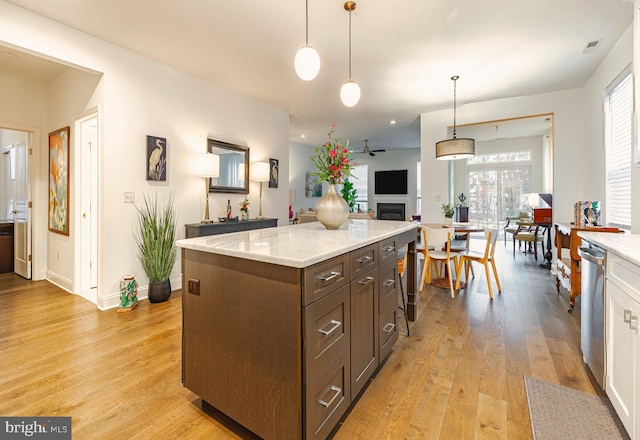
(392, 122)
(303, 135)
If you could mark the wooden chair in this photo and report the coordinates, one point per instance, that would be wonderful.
(512, 226)
(402, 265)
(531, 238)
(485, 258)
(440, 239)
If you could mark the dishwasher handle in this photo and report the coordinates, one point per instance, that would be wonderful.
(592, 255)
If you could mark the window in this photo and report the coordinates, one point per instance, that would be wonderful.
(360, 181)
(618, 149)
(498, 185)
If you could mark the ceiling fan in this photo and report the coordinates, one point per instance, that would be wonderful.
(365, 149)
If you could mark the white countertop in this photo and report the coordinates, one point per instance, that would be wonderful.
(625, 245)
(299, 245)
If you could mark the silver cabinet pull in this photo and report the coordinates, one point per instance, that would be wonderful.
(388, 249)
(336, 325)
(337, 391)
(388, 328)
(328, 276)
(627, 315)
(389, 283)
(633, 322)
(366, 281)
(365, 259)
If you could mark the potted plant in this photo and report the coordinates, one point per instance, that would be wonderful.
(349, 194)
(156, 250)
(448, 212)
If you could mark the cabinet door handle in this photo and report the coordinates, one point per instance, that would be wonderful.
(328, 276)
(365, 259)
(336, 325)
(388, 249)
(337, 391)
(389, 283)
(633, 322)
(366, 281)
(388, 328)
(627, 316)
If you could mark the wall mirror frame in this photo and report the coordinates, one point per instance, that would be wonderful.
(234, 167)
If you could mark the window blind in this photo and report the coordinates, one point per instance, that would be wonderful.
(619, 150)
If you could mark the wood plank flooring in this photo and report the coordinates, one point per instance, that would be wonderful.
(459, 375)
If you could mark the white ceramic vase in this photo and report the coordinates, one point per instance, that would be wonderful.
(448, 221)
(332, 210)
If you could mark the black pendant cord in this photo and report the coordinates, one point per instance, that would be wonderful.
(455, 78)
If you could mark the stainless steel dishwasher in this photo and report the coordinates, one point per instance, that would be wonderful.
(592, 309)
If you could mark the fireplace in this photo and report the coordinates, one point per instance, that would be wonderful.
(391, 211)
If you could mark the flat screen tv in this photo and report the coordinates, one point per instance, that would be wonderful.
(391, 182)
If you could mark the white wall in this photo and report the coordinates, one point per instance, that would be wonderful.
(140, 97)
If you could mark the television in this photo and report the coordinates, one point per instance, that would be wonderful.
(390, 182)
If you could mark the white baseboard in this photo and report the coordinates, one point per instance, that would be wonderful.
(59, 281)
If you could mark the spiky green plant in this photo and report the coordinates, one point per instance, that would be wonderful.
(155, 238)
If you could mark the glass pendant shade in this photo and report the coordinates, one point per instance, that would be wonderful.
(307, 63)
(453, 149)
(350, 93)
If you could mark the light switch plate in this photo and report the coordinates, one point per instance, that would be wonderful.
(129, 197)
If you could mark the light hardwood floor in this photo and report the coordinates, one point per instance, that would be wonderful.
(459, 375)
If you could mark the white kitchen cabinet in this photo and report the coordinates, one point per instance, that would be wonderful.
(622, 341)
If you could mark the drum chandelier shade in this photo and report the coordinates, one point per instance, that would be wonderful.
(307, 61)
(452, 149)
(350, 90)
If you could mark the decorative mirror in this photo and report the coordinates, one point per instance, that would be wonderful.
(234, 167)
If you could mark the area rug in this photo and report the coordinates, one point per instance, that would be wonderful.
(558, 412)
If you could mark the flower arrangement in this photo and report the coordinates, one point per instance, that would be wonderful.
(332, 160)
(244, 205)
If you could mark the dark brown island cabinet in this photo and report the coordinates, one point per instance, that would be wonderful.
(280, 334)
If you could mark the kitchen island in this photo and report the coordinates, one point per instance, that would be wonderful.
(284, 327)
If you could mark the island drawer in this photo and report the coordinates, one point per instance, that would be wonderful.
(388, 250)
(327, 330)
(625, 274)
(388, 285)
(328, 397)
(323, 278)
(363, 259)
(388, 331)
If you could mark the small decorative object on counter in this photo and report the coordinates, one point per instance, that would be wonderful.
(228, 208)
(448, 212)
(333, 165)
(128, 293)
(244, 209)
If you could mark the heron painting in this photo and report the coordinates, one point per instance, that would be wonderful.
(156, 166)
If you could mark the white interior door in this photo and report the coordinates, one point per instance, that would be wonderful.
(21, 213)
(89, 208)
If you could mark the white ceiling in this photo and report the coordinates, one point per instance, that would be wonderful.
(403, 53)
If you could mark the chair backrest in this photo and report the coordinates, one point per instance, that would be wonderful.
(437, 237)
(492, 238)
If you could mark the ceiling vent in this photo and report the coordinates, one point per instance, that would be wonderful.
(591, 46)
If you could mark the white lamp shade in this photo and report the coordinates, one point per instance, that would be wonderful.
(307, 63)
(261, 171)
(207, 165)
(452, 149)
(350, 93)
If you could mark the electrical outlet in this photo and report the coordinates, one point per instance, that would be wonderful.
(193, 286)
(129, 197)
(438, 198)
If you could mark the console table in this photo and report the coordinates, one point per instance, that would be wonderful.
(201, 229)
(568, 264)
(284, 327)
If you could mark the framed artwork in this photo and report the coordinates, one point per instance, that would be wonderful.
(156, 158)
(312, 186)
(273, 173)
(59, 181)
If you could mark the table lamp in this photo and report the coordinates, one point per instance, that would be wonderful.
(207, 166)
(261, 171)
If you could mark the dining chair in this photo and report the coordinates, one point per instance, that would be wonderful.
(402, 265)
(485, 258)
(532, 237)
(440, 239)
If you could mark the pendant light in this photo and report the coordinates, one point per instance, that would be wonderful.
(307, 61)
(350, 91)
(452, 149)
